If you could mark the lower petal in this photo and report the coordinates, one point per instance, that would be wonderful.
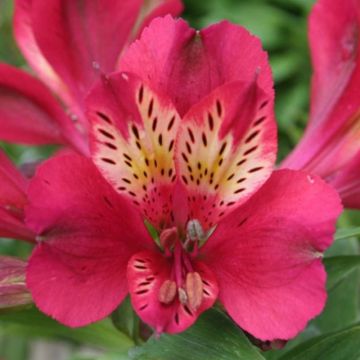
(266, 255)
(87, 234)
(75, 290)
(147, 275)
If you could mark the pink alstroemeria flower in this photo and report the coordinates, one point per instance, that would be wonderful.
(68, 44)
(330, 146)
(185, 172)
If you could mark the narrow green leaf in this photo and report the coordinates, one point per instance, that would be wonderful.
(125, 319)
(339, 267)
(32, 323)
(342, 344)
(347, 233)
(213, 337)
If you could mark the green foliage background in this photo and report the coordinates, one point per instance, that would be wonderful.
(282, 26)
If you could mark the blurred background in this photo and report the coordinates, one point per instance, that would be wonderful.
(282, 27)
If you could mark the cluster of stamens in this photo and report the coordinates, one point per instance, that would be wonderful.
(185, 283)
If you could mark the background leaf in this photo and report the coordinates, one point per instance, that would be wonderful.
(213, 337)
(32, 323)
(341, 345)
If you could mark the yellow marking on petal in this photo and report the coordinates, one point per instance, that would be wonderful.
(142, 160)
(221, 167)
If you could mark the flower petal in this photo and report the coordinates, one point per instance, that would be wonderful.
(13, 292)
(266, 255)
(77, 37)
(13, 198)
(333, 133)
(12, 226)
(147, 272)
(333, 35)
(152, 9)
(187, 65)
(24, 35)
(347, 183)
(13, 185)
(226, 149)
(87, 234)
(134, 132)
(29, 114)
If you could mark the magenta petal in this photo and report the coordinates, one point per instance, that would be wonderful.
(266, 255)
(133, 143)
(24, 35)
(226, 149)
(186, 65)
(332, 137)
(333, 35)
(347, 183)
(13, 198)
(77, 274)
(29, 114)
(12, 226)
(156, 8)
(82, 40)
(147, 272)
(13, 185)
(13, 291)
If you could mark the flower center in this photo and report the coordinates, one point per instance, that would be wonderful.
(185, 283)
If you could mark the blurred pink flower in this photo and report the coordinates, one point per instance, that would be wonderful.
(68, 43)
(330, 146)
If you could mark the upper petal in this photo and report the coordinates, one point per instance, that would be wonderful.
(265, 255)
(82, 39)
(30, 114)
(226, 149)
(187, 65)
(87, 234)
(133, 138)
(152, 9)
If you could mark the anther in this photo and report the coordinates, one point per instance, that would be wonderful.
(183, 298)
(194, 290)
(194, 230)
(167, 292)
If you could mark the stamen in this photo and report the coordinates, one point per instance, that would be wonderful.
(194, 290)
(195, 231)
(183, 298)
(167, 292)
(168, 238)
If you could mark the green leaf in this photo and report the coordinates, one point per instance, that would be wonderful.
(125, 319)
(339, 267)
(347, 233)
(340, 345)
(32, 323)
(213, 337)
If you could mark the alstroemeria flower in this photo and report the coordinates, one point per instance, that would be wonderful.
(198, 170)
(330, 146)
(69, 44)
